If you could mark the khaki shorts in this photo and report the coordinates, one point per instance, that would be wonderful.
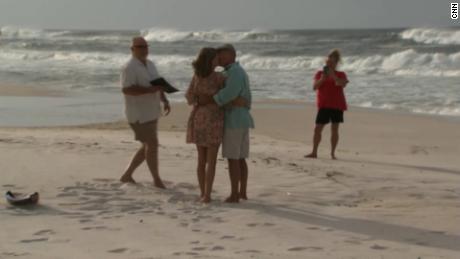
(235, 144)
(145, 132)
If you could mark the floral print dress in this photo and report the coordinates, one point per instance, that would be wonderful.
(206, 122)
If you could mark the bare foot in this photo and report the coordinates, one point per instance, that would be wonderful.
(333, 157)
(127, 179)
(244, 196)
(312, 155)
(232, 199)
(159, 184)
(206, 199)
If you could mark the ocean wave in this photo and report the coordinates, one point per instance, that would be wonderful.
(432, 36)
(13, 32)
(408, 62)
(170, 35)
(24, 33)
(91, 60)
(151, 34)
(404, 63)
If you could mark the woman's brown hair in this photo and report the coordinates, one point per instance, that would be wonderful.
(335, 53)
(202, 66)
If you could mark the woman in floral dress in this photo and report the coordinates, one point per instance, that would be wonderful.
(206, 122)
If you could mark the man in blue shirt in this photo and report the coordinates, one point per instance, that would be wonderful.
(237, 122)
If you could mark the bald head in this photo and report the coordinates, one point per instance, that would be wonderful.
(140, 48)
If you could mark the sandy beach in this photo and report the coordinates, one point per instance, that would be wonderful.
(393, 193)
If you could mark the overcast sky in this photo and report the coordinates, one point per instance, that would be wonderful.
(228, 14)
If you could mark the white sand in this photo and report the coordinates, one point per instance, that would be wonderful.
(394, 193)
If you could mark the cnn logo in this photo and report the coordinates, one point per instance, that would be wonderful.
(454, 11)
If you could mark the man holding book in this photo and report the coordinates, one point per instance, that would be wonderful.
(143, 108)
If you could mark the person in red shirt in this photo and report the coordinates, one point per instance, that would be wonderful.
(330, 98)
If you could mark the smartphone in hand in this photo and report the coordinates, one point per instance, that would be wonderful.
(326, 70)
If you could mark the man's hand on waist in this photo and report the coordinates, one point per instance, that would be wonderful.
(205, 100)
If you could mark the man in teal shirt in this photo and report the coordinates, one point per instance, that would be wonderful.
(238, 121)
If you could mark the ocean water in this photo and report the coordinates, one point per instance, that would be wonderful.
(412, 69)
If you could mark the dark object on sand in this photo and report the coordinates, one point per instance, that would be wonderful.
(19, 199)
(167, 87)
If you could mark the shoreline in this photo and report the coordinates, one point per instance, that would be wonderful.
(13, 90)
(364, 131)
(54, 99)
(261, 104)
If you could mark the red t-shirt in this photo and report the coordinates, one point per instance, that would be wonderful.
(329, 95)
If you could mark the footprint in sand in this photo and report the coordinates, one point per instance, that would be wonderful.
(99, 194)
(187, 186)
(377, 247)
(200, 248)
(59, 240)
(303, 248)
(262, 195)
(95, 228)
(101, 228)
(250, 251)
(118, 250)
(353, 241)
(269, 160)
(44, 232)
(173, 216)
(218, 220)
(12, 254)
(104, 180)
(266, 224)
(297, 248)
(415, 150)
(34, 240)
(217, 248)
(417, 195)
(227, 237)
(332, 174)
(69, 194)
(312, 228)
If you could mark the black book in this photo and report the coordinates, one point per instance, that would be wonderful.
(167, 87)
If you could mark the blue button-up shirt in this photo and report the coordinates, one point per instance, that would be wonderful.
(237, 84)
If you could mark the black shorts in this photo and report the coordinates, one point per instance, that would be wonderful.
(325, 116)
